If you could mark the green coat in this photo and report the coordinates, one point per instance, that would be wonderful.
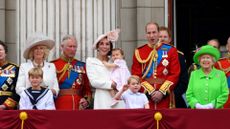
(205, 89)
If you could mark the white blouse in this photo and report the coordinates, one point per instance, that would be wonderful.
(49, 77)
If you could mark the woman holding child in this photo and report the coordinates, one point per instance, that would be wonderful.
(99, 74)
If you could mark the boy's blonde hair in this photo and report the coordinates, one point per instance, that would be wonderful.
(36, 72)
(134, 77)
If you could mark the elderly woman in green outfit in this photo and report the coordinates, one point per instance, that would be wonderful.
(207, 88)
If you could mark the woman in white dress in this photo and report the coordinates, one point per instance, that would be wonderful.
(99, 75)
(36, 54)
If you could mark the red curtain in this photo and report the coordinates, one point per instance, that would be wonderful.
(117, 119)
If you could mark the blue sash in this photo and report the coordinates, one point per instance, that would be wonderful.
(228, 79)
(3, 78)
(163, 48)
(73, 76)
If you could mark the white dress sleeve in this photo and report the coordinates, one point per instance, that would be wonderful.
(120, 63)
(21, 82)
(53, 73)
(98, 74)
(56, 86)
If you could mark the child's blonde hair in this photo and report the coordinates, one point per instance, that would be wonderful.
(133, 77)
(36, 72)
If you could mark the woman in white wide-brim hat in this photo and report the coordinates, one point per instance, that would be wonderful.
(99, 75)
(36, 54)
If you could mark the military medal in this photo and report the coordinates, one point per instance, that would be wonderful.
(74, 85)
(80, 71)
(165, 62)
(10, 81)
(8, 73)
(79, 80)
(165, 71)
(164, 53)
(5, 87)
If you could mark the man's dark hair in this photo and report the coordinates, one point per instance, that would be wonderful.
(4, 46)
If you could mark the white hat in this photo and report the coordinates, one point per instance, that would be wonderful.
(35, 40)
(111, 36)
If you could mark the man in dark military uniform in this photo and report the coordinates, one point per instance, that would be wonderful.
(8, 78)
(158, 66)
(75, 91)
(224, 65)
(180, 89)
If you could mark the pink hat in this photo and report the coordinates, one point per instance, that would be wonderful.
(111, 36)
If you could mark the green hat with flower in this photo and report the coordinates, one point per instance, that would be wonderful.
(207, 49)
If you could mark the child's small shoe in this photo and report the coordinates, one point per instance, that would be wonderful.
(114, 102)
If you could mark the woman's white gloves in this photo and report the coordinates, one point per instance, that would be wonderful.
(206, 106)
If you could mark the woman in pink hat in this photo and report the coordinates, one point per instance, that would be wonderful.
(99, 74)
(36, 54)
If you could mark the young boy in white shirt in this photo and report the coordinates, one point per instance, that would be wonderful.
(36, 97)
(131, 95)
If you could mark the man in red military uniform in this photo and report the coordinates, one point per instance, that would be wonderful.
(224, 65)
(158, 66)
(75, 91)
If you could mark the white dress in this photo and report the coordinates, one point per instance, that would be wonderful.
(45, 103)
(99, 77)
(49, 77)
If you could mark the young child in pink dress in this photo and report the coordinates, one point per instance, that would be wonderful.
(120, 72)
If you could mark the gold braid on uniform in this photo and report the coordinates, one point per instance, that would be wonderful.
(67, 67)
(137, 54)
(10, 103)
(165, 86)
(63, 71)
(225, 70)
(172, 99)
(152, 57)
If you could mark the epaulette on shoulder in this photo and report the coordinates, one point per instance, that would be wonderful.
(222, 58)
(168, 44)
(14, 64)
(180, 52)
(141, 46)
(80, 63)
(54, 60)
